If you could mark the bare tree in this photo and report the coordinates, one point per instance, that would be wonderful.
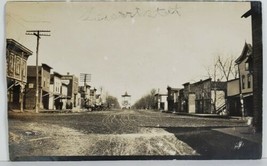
(147, 101)
(223, 69)
(227, 67)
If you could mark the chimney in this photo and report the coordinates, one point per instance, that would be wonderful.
(68, 73)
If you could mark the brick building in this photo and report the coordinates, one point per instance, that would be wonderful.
(44, 87)
(205, 96)
(16, 58)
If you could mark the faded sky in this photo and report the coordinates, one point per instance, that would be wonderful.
(148, 50)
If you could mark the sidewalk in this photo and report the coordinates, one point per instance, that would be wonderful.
(204, 115)
(48, 111)
(246, 132)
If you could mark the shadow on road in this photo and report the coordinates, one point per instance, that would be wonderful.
(211, 144)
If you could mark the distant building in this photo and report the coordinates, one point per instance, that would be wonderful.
(92, 97)
(126, 101)
(99, 100)
(44, 87)
(55, 91)
(16, 58)
(64, 96)
(161, 101)
(244, 62)
(173, 98)
(84, 92)
(182, 105)
(205, 96)
(72, 82)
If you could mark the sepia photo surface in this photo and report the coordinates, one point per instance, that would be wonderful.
(134, 80)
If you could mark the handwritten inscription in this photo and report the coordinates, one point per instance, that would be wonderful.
(137, 12)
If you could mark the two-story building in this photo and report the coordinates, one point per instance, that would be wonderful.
(161, 101)
(16, 58)
(55, 91)
(204, 96)
(244, 62)
(44, 87)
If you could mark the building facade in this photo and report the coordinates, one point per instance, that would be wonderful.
(203, 97)
(233, 98)
(255, 13)
(64, 96)
(161, 101)
(73, 87)
(244, 62)
(55, 91)
(173, 98)
(44, 87)
(84, 92)
(16, 58)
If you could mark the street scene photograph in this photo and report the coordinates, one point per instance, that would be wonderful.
(134, 80)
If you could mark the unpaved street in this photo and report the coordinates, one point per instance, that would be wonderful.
(120, 133)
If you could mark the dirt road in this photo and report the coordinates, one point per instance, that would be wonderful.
(109, 133)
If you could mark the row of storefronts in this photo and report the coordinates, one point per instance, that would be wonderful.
(55, 90)
(232, 97)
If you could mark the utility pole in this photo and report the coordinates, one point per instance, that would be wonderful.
(84, 77)
(38, 34)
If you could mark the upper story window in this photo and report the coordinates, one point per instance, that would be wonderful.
(246, 66)
(249, 81)
(243, 82)
(11, 63)
(17, 65)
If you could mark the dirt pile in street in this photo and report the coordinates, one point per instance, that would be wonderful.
(54, 140)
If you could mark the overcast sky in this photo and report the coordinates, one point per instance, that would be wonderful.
(132, 47)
